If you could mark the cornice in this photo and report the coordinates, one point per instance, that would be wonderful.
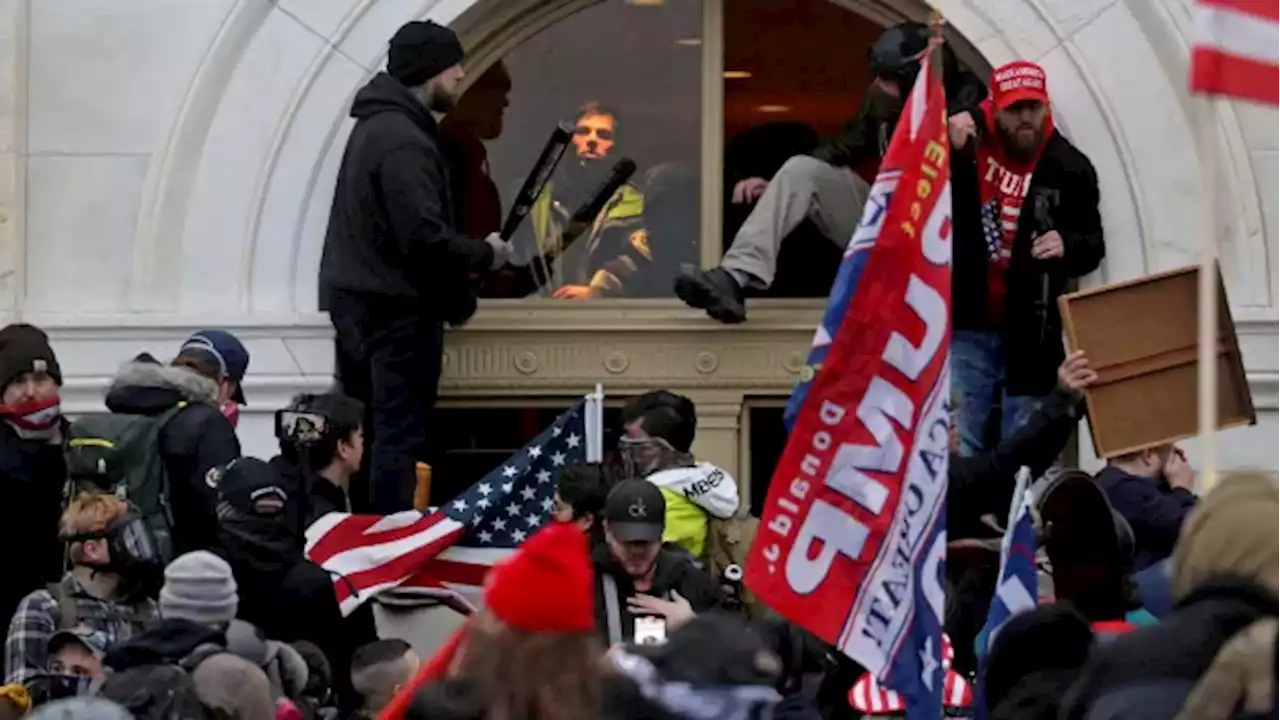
(534, 349)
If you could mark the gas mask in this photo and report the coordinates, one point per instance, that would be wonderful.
(643, 456)
(134, 552)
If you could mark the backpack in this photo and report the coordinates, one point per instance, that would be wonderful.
(728, 542)
(162, 691)
(120, 453)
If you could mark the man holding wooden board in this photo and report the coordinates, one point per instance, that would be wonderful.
(1026, 223)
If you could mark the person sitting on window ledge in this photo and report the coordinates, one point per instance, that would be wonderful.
(829, 187)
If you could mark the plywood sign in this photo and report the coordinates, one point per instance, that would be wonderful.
(1141, 336)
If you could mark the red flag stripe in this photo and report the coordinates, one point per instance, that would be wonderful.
(359, 531)
(438, 572)
(1265, 9)
(396, 568)
(1236, 50)
(1213, 73)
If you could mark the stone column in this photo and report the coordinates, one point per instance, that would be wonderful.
(13, 51)
(719, 429)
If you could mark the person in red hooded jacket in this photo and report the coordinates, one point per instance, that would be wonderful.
(532, 652)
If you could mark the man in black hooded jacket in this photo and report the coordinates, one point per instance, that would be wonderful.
(394, 268)
(287, 596)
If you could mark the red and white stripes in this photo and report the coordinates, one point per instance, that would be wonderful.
(1236, 49)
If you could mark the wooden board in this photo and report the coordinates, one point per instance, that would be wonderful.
(1141, 336)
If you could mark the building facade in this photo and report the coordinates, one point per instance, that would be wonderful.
(168, 166)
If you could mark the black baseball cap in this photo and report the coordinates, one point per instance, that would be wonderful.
(635, 511)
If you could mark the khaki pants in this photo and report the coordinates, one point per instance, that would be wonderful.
(832, 197)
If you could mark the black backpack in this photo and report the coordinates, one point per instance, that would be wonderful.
(162, 691)
(120, 454)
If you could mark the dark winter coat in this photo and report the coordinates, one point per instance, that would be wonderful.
(859, 145)
(1153, 508)
(392, 232)
(675, 571)
(286, 596)
(1064, 197)
(194, 440)
(983, 484)
(33, 474)
(1148, 673)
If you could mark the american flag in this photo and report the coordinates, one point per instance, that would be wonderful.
(870, 698)
(1236, 50)
(448, 550)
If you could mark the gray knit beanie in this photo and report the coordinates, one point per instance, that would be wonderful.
(199, 587)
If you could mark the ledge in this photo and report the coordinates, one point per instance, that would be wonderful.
(530, 349)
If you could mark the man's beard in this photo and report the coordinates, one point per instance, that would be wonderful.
(441, 101)
(1017, 148)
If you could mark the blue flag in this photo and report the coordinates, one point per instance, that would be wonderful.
(1016, 588)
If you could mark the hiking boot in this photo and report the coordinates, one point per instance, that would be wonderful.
(712, 290)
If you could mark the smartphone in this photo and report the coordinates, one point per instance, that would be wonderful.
(650, 631)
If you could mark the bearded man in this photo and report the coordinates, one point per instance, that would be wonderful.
(395, 269)
(1025, 205)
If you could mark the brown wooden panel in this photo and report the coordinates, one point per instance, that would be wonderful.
(1141, 336)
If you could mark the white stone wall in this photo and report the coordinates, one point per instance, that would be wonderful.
(167, 164)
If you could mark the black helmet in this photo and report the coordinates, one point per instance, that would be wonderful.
(893, 55)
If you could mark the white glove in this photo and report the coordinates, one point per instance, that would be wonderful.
(501, 250)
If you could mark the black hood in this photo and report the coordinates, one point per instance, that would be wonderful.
(385, 94)
(168, 642)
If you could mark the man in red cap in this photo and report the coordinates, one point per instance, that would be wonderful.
(1026, 223)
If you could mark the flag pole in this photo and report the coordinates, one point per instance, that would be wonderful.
(595, 425)
(1207, 364)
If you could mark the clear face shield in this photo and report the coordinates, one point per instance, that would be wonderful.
(643, 456)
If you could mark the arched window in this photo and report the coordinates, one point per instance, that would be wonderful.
(701, 95)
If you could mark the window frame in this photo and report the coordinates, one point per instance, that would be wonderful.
(492, 28)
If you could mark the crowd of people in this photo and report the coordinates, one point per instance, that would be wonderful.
(154, 572)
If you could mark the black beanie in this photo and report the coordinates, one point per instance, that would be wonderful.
(421, 50)
(23, 349)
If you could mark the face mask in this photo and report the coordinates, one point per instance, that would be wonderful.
(58, 687)
(231, 411)
(39, 418)
(644, 456)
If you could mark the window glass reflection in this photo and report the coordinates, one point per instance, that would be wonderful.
(626, 78)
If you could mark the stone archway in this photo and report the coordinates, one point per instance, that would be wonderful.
(250, 160)
(237, 198)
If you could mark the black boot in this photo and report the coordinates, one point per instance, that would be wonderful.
(713, 290)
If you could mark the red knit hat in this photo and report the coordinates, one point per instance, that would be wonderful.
(547, 585)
